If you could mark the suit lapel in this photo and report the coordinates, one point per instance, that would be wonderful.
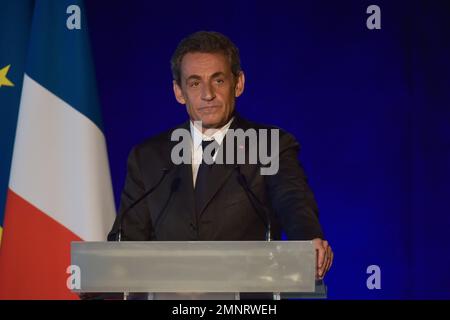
(184, 172)
(220, 173)
(187, 196)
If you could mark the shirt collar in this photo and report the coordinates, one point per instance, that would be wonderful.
(219, 135)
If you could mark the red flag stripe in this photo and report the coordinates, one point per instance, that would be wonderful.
(35, 253)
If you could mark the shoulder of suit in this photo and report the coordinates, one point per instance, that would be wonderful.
(163, 139)
(160, 140)
(246, 124)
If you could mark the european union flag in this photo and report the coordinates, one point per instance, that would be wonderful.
(15, 24)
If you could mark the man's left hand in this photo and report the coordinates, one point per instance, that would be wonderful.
(324, 257)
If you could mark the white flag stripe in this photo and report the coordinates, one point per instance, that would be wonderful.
(60, 164)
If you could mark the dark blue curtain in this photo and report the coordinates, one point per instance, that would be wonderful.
(371, 109)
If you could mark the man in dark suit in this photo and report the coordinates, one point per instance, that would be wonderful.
(196, 200)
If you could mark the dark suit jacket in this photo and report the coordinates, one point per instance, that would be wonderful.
(169, 212)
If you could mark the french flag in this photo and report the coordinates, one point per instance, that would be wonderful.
(60, 187)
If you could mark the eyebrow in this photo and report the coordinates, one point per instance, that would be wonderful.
(214, 75)
(218, 74)
(193, 77)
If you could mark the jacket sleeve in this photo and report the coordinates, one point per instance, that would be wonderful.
(291, 197)
(136, 225)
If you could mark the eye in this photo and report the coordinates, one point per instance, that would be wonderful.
(220, 81)
(194, 84)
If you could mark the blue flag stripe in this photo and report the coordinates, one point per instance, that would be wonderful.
(67, 77)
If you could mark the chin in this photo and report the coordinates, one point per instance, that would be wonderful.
(211, 123)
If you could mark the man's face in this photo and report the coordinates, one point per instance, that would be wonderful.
(208, 88)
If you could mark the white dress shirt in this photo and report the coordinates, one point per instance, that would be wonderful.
(198, 137)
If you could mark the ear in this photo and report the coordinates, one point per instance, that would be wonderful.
(240, 84)
(178, 93)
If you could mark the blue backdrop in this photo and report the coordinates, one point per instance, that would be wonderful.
(371, 109)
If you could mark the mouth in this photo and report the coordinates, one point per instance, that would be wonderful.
(208, 109)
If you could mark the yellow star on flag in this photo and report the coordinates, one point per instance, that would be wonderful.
(4, 81)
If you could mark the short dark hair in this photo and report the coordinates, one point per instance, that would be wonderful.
(205, 42)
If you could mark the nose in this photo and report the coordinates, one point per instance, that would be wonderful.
(208, 93)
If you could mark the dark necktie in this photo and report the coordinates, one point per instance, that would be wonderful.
(201, 182)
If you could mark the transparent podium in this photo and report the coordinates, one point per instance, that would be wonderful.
(198, 269)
